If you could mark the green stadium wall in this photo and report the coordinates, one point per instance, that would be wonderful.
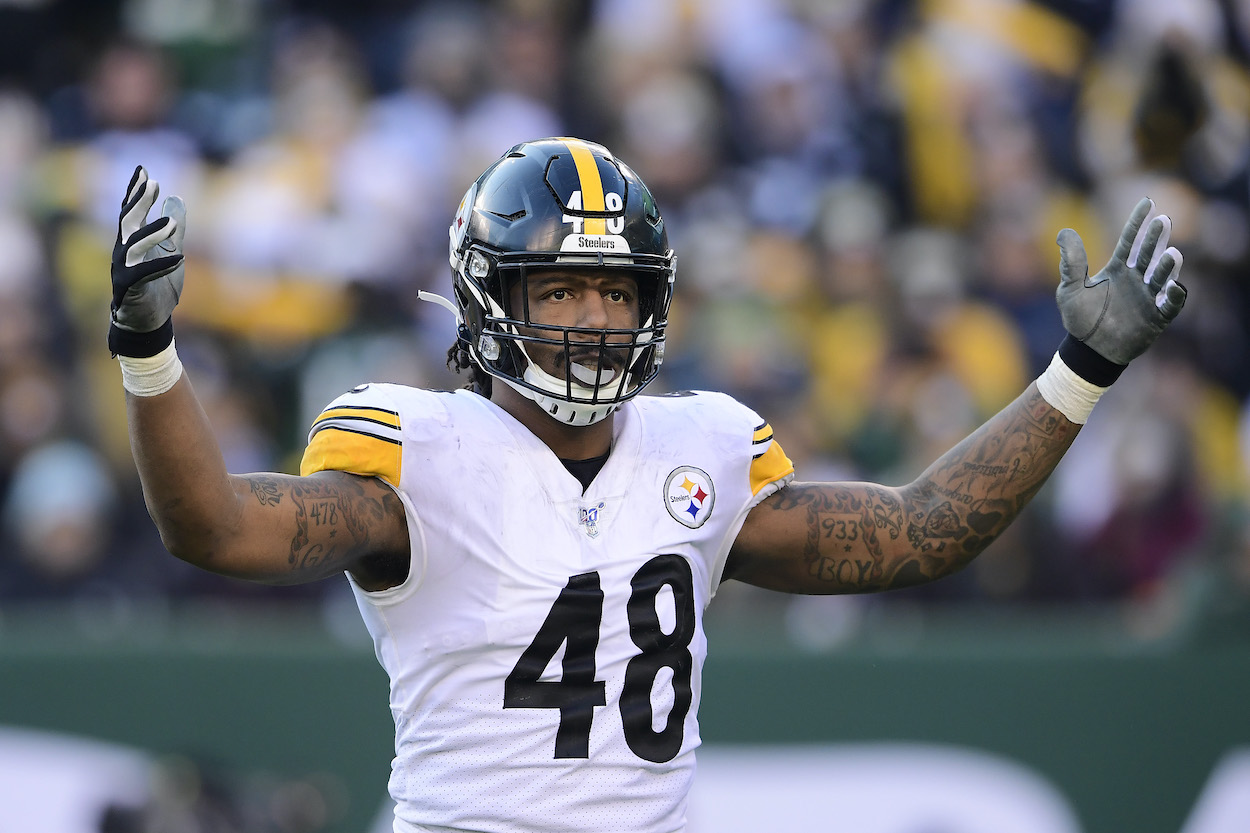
(1128, 731)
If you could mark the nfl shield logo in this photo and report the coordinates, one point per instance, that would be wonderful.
(588, 519)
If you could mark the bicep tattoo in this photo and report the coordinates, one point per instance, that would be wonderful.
(335, 519)
(851, 530)
(265, 489)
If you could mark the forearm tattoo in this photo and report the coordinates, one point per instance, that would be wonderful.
(863, 537)
(334, 520)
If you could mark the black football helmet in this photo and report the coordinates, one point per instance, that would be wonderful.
(551, 204)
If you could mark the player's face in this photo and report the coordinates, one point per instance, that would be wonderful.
(588, 299)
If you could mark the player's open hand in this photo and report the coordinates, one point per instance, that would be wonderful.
(1121, 310)
(147, 257)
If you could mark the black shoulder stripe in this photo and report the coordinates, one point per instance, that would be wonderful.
(359, 408)
(328, 424)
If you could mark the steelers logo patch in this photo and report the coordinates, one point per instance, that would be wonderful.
(689, 495)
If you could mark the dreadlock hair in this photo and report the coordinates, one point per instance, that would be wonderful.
(458, 359)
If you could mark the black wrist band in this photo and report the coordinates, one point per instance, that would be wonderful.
(140, 345)
(1085, 362)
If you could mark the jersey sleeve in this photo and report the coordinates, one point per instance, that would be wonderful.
(746, 465)
(359, 433)
(770, 467)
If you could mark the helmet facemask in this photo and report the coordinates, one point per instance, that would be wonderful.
(578, 375)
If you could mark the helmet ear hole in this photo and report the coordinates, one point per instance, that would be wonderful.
(488, 346)
(479, 266)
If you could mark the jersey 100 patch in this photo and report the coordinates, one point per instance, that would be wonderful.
(689, 496)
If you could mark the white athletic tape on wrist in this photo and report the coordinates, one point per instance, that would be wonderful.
(153, 375)
(1067, 392)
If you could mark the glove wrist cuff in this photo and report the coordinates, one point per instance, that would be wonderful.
(140, 345)
(1086, 362)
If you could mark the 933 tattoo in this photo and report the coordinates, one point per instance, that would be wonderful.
(862, 537)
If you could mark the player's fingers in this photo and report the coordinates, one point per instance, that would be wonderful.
(142, 241)
(135, 212)
(1073, 265)
(176, 210)
(139, 177)
(1129, 237)
(1165, 266)
(1154, 244)
(1171, 299)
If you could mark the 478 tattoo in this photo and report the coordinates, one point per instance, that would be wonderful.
(323, 512)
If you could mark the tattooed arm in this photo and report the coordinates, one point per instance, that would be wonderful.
(856, 537)
(272, 528)
(862, 537)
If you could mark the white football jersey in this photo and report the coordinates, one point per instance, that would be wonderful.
(545, 651)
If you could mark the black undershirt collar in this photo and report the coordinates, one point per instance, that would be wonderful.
(585, 470)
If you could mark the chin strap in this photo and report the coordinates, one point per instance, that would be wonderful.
(435, 298)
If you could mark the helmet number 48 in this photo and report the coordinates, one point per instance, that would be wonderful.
(611, 202)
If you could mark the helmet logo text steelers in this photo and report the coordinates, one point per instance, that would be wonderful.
(689, 495)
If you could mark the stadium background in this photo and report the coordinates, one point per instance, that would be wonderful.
(863, 195)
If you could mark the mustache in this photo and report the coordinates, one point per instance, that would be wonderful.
(609, 358)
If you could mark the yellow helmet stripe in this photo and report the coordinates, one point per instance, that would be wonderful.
(592, 186)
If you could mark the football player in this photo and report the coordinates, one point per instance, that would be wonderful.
(533, 555)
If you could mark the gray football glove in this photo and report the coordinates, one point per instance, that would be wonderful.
(147, 265)
(1121, 310)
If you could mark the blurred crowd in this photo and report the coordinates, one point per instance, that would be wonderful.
(863, 194)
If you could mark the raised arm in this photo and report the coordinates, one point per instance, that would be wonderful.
(272, 528)
(862, 537)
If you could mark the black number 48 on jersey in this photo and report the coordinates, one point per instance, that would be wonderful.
(574, 621)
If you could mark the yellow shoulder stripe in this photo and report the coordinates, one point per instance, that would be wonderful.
(769, 467)
(764, 432)
(336, 449)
